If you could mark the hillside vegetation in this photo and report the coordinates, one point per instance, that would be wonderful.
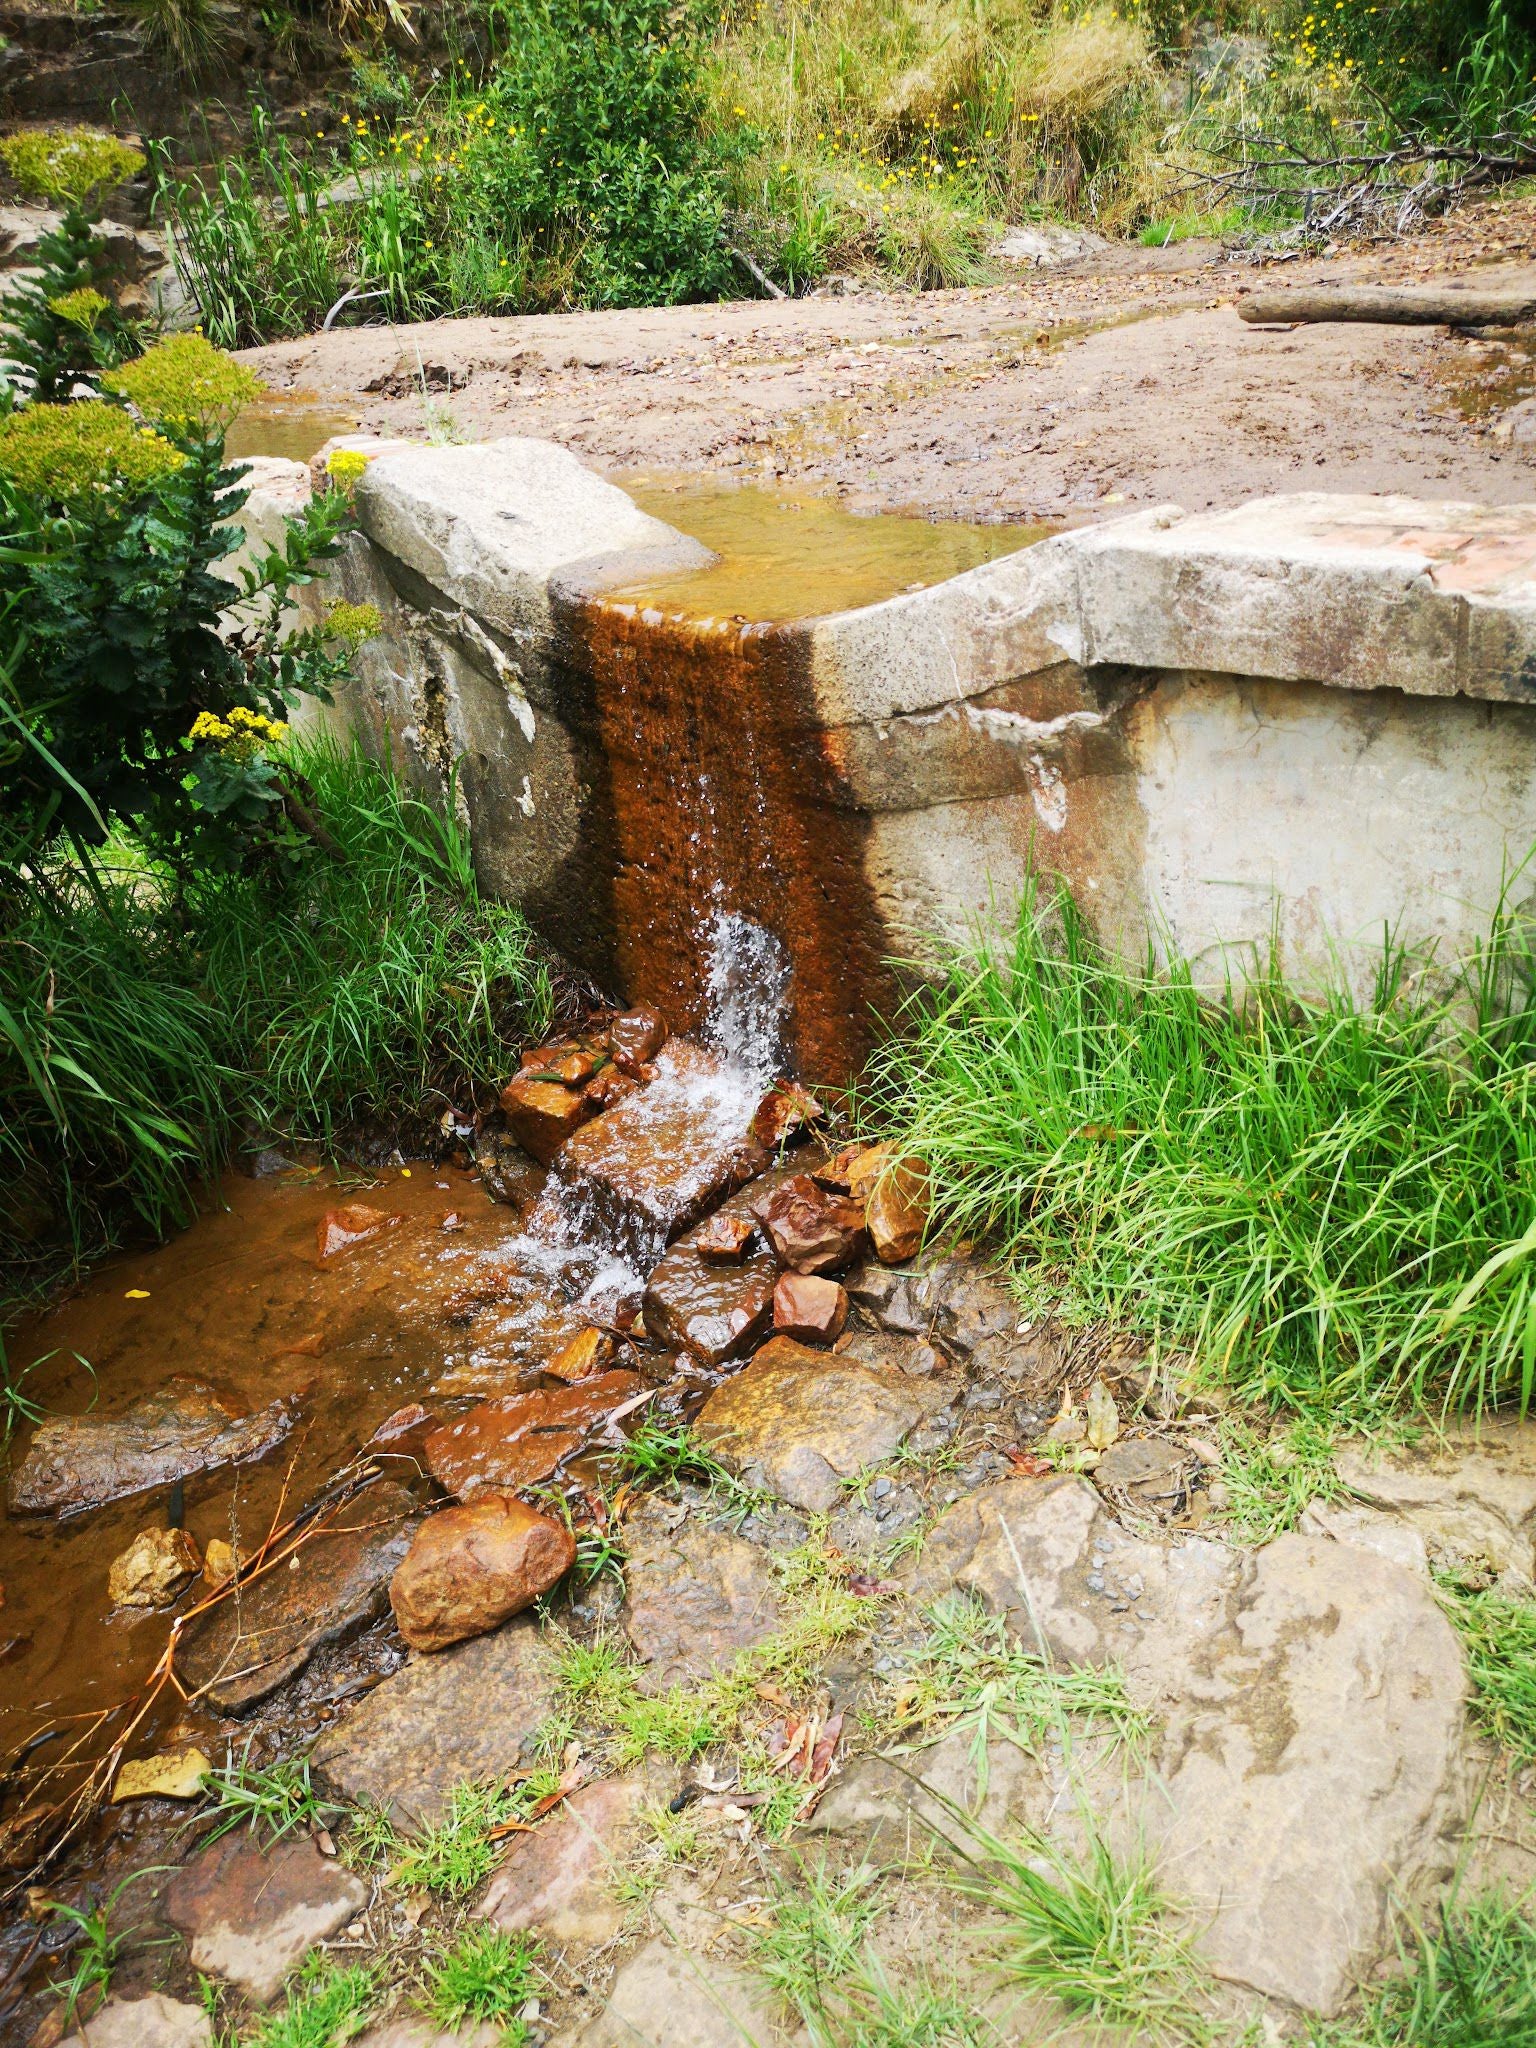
(619, 152)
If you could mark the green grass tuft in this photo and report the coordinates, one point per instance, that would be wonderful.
(1330, 1203)
(485, 1975)
(323, 2006)
(1498, 1635)
(1471, 1985)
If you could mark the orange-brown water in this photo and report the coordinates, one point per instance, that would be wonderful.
(291, 424)
(787, 554)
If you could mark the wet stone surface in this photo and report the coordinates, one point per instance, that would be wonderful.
(262, 1634)
(502, 1445)
(463, 1713)
(717, 1310)
(81, 1461)
(250, 1913)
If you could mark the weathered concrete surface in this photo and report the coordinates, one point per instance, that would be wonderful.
(1304, 719)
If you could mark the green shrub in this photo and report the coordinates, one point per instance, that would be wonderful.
(144, 1026)
(1330, 1201)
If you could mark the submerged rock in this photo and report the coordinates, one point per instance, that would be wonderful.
(157, 1565)
(83, 1461)
(802, 1425)
(266, 1631)
(251, 1912)
(463, 1714)
(502, 1445)
(507, 1173)
(472, 1567)
(590, 1351)
(353, 1224)
(696, 1595)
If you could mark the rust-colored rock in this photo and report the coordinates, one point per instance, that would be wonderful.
(811, 1230)
(809, 1308)
(154, 1568)
(589, 1351)
(508, 1173)
(543, 1114)
(353, 1224)
(894, 1190)
(634, 1039)
(661, 1160)
(784, 1112)
(717, 1312)
(519, 1439)
(608, 1087)
(724, 1240)
(472, 1567)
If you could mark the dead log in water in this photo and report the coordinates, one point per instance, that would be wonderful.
(1390, 305)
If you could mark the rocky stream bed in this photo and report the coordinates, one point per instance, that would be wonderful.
(355, 1483)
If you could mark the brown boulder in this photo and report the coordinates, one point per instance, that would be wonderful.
(519, 1439)
(472, 1567)
(811, 1230)
(809, 1308)
(543, 1114)
(894, 1190)
(353, 1224)
(634, 1038)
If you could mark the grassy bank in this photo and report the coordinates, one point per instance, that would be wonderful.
(1330, 1202)
(627, 152)
(147, 1030)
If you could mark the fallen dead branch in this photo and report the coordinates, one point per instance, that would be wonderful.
(1390, 305)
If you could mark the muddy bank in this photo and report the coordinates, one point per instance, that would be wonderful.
(1146, 388)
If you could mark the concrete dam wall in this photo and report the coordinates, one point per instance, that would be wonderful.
(1300, 723)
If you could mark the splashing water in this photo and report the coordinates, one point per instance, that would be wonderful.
(598, 1252)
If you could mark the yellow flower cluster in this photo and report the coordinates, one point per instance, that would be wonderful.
(353, 623)
(184, 384)
(240, 733)
(72, 454)
(345, 465)
(82, 308)
(68, 163)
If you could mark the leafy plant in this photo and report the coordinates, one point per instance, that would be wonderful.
(485, 1975)
(59, 328)
(97, 1945)
(275, 1800)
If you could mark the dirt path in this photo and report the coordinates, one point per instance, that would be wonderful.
(1129, 381)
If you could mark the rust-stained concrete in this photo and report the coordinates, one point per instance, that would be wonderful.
(1300, 722)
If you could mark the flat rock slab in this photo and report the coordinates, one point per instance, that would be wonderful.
(518, 1440)
(802, 1425)
(265, 1633)
(83, 1461)
(654, 1164)
(717, 1312)
(559, 1880)
(903, 1810)
(252, 1913)
(1477, 1507)
(697, 1596)
(663, 1998)
(1311, 1697)
(152, 2022)
(444, 1719)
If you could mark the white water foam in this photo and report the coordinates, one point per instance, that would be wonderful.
(599, 1263)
